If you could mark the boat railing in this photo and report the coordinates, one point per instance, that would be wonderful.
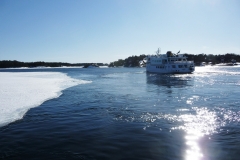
(188, 62)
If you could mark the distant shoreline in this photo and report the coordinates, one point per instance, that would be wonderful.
(132, 61)
(40, 64)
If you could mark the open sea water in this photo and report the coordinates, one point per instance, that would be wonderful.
(126, 113)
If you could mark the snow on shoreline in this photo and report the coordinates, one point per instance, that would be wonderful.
(20, 91)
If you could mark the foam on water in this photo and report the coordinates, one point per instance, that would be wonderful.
(21, 91)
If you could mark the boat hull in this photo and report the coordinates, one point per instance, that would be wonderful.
(168, 69)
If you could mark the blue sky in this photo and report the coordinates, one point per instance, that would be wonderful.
(77, 31)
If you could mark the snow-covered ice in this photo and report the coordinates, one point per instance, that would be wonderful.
(20, 91)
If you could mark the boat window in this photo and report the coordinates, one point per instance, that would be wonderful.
(173, 66)
(185, 66)
(179, 66)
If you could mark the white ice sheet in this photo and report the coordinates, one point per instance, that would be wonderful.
(20, 91)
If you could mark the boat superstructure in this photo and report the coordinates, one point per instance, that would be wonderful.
(168, 63)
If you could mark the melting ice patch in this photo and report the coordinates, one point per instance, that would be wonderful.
(24, 90)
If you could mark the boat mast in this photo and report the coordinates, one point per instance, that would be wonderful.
(158, 51)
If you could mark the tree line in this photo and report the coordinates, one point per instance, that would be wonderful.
(17, 64)
(133, 61)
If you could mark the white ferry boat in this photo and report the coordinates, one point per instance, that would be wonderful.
(168, 63)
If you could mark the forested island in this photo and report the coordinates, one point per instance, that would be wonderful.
(17, 64)
(132, 61)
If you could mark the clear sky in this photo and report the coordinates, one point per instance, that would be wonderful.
(77, 31)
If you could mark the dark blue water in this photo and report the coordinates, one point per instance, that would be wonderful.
(126, 113)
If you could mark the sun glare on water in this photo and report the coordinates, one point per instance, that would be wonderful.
(196, 126)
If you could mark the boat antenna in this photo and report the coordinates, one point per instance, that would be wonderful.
(158, 51)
